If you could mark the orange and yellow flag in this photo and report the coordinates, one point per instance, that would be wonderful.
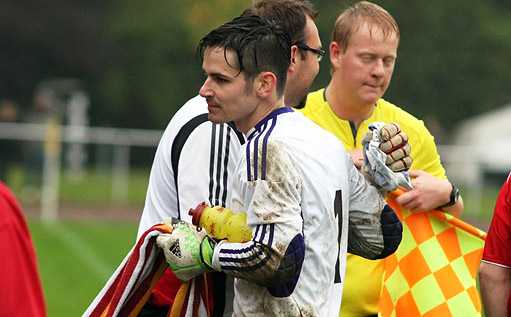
(434, 270)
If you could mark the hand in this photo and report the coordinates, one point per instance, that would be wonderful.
(188, 251)
(396, 147)
(386, 156)
(358, 157)
(428, 192)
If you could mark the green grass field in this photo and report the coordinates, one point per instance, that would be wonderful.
(76, 258)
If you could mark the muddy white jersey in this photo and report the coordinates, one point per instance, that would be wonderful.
(294, 181)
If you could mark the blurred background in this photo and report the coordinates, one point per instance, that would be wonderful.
(87, 87)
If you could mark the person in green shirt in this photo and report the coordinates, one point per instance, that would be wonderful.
(363, 53)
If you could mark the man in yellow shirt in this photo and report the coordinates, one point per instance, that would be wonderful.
(363, 52)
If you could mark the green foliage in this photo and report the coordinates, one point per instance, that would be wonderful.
(76, 259)
(452, 57)
(154, 44)
(138, 57)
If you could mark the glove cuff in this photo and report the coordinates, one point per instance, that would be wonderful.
(206, 252)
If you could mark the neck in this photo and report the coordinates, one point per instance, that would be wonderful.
(260, 112)
(347, 108)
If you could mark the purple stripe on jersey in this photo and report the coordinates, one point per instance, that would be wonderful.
(253, 144)
(226, 164)
(272, 115)
(254, 137)
(238, 251)
(247, 154)
(263, 234)
(272, 232)
(254, 257)
(259, 265)
(211, 161)
(253, 253)
(219, 164)
(256, 152)
(265, 142)
(257, 231)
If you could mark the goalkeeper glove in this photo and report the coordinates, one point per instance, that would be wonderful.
(394, 143)
(188, 252)
(386, 156)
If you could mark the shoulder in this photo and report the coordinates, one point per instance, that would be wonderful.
(408, 122)
(505, 194)
(191, 121)
(316, 97)
(304, 137)
(392, 111)
(193, 108)
(315, 101)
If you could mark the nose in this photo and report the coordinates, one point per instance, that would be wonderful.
(205, 91)
(379, 68)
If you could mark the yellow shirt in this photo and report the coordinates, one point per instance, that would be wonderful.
(363, 280)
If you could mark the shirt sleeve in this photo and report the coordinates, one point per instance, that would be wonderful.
(365, 208)
(191, 165)
(268, 191)
(498, 241)
(424, 151)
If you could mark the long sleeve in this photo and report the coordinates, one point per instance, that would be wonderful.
(268, 190)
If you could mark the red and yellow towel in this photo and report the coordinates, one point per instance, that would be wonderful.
(130, 286)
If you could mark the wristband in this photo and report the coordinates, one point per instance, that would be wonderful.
(455, 195)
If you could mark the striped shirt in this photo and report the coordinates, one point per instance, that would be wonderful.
(194, 163)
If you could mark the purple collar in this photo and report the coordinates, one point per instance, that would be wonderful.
(274, 114)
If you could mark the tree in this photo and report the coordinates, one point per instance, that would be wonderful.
(155, 69)
(452, 60)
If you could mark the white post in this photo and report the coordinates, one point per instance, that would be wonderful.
(51, 171)
(121, 171)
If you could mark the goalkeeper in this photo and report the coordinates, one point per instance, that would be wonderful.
(295, 182)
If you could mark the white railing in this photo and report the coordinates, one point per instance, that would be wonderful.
(52, 134)
(465, 165)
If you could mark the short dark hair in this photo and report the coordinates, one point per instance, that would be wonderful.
(290, 14)
(260, 45)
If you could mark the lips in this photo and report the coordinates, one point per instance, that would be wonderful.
(211, 104)
(374, 86)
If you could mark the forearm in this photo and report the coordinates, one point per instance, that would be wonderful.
(367, 220)
(495, 285)
(260, 263)
(457, 209)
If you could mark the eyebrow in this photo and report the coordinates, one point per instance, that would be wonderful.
(220, 75)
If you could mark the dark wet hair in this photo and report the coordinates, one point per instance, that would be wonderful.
(260, 45)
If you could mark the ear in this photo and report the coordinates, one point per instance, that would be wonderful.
(266, 83)
(295, 57)
(335, 55)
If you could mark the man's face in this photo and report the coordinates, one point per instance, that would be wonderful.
(229, 96)
(298, 84)
(366, 67)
